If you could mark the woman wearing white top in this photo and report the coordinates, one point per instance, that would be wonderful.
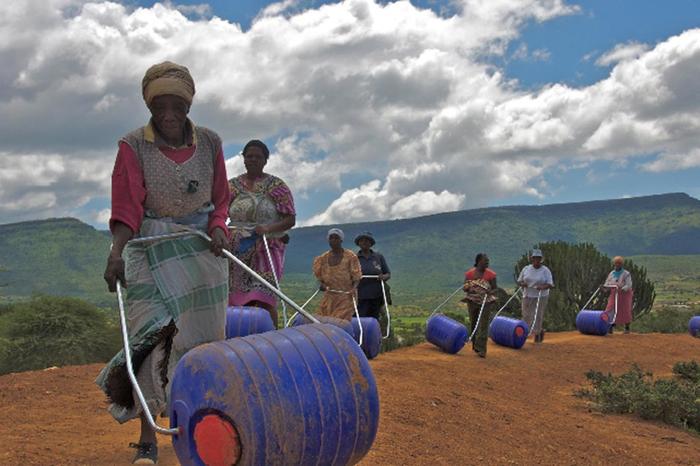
(536, 281)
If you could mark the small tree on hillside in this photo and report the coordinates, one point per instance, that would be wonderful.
(578, 269)
(55, 331)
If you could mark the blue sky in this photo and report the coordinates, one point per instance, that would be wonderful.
(573, 42)
(372, 109)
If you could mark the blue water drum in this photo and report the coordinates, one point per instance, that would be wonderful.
(342, 323)
(304, 395)
(591, 322)
(371, 335)
(694, 326)
(244, 321)
(510, 332)
(445, 333)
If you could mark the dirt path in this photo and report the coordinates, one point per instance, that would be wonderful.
(515, 407)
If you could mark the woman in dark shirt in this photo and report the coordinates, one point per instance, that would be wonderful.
(370, 299)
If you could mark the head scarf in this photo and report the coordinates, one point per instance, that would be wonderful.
(365, 234)
(336, 231)
(167, 78)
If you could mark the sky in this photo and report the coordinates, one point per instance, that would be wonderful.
(372, 109)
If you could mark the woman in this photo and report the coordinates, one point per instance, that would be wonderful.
(261, 207)
(370, 298)
(338, 272)
(536, 281)
(169, 176)
(480, 284)
(619, 282)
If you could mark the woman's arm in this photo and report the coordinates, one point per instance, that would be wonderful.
(286, 223)
(121, 234)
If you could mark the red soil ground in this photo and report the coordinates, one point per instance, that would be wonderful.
(514, 407)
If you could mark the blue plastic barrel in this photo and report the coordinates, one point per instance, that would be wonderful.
(244, 321)
(302, 395)
(591, 322)
(342, 323)
(445, 333)
(510, 332)
(371, 335)
(694, 326)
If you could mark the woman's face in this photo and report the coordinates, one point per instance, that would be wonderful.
(254, 160)
(483, 262)
(365, 244)
(536, 261)
(617, 265)
(169, 114)
(334, 241)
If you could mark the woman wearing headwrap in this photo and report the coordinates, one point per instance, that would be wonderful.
(169, 176)
(619, 282)
(480, 284)
(338, 272)
(261, 206)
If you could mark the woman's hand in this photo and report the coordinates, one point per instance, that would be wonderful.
(262, 229)
(114, 271)
(218, 242)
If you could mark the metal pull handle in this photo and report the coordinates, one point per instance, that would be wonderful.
(386, 305)
(130, 370)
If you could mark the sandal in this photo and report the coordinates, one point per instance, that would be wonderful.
(146, 453)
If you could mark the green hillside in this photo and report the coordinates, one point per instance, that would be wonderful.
(427, 255)
(431, 253)
(58, 256)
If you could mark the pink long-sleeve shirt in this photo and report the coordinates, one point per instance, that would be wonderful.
(129, 190)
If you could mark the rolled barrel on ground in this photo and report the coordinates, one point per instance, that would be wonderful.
(509, 332)
(445, 333)
(340, 323)
(694, 326)
(371, 335)
(591, 322)
(303, 395)
(242, 321)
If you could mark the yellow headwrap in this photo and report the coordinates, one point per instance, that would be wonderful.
(167, 78)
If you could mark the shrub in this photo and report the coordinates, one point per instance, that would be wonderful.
(675, 401)
(664, 320)
(54, 331)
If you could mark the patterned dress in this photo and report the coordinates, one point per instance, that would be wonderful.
(340, 279)
(476, 289)
(266, 201)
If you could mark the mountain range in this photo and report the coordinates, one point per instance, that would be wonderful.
(66, 256)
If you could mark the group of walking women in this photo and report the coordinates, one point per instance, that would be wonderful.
(170, 177)
(535, 281)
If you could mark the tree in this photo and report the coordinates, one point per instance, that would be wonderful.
(54, 331)
(579, 269)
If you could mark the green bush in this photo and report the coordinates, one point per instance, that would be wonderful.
(665, 320)
(55, 331)
(675, 401)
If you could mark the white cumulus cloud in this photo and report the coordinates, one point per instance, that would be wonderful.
(395, 109)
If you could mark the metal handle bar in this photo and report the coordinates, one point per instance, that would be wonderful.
(515, 293)
(445, 301)
(478, 318)
(386, 305)
(274, 275)
(537, 310)
(130, 370)
(289, 322)
(595, 293)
